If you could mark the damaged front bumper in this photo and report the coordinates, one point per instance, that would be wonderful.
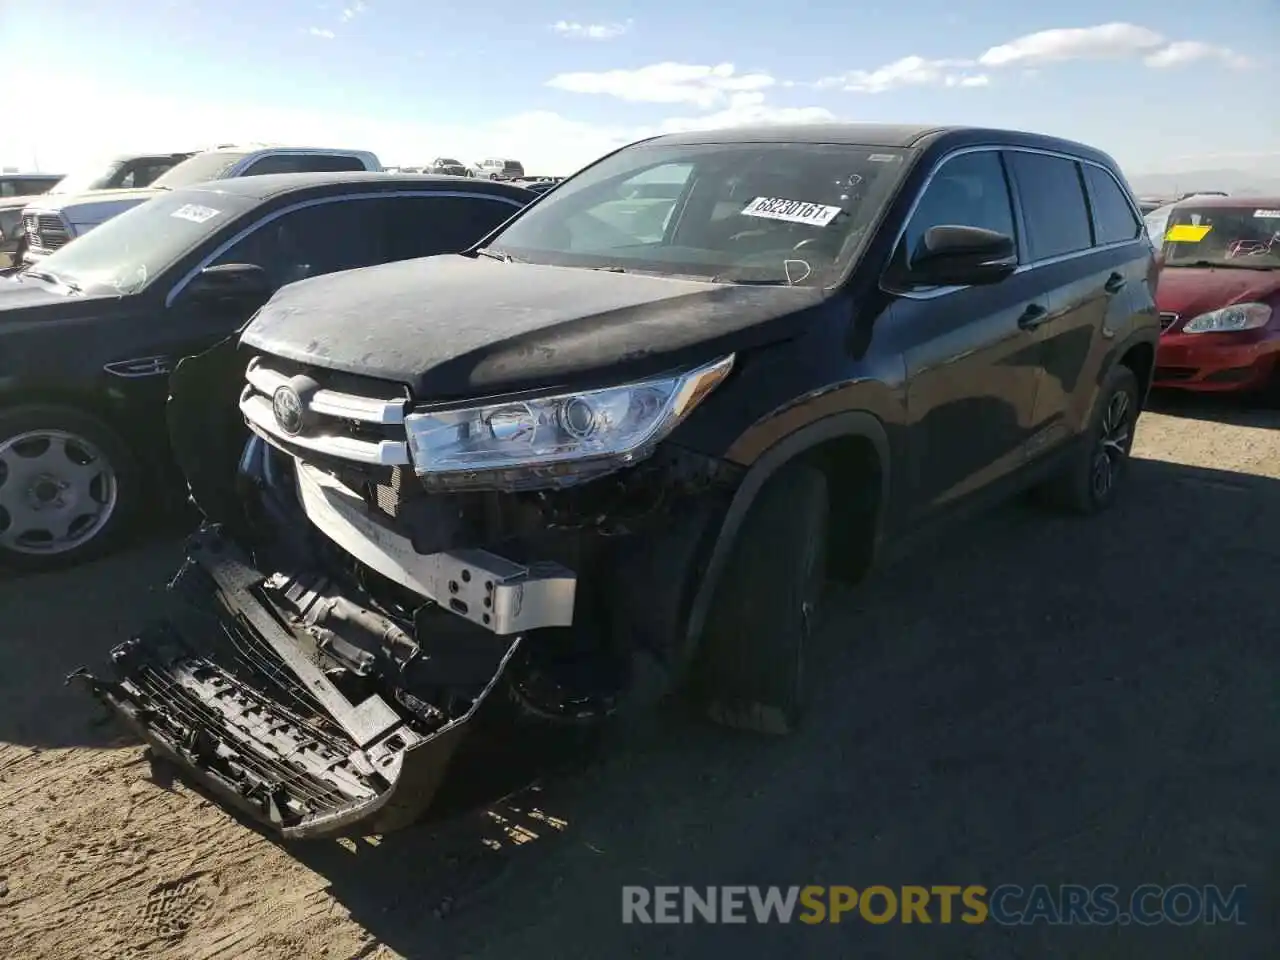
(225, 690)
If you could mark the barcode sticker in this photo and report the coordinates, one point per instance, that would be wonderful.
(793, 211)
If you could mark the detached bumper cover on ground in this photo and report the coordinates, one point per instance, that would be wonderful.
(227, 693)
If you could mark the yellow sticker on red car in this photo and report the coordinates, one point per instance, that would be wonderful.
(1186, 233)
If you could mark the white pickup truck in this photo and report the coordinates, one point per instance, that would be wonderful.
(54, 220)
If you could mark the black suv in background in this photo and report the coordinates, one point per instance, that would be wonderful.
(646, 417)
(89, 334)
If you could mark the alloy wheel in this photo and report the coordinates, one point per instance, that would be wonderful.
(1115, 439)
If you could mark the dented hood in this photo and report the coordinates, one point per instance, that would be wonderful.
(459, 325)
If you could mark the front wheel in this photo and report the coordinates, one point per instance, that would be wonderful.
(751, 673)
(67, 487)
(1091, 480)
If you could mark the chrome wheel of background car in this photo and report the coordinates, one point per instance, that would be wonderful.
(57, 492)
(1116, 436)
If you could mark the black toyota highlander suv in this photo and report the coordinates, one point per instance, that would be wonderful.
(644, 419)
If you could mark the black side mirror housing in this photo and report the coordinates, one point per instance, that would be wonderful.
(240, 283)
(952, 255)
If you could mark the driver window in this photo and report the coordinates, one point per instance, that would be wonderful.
(314, 240)
(967, 191)
(635, 213)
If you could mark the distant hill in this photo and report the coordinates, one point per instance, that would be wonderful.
(1243, 182)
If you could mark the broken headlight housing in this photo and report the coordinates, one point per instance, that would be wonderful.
(550, 441)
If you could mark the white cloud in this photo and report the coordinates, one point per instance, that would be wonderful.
(1189, 51)
(591, 31)
(745, 109)
(908, 72)
(1106, 41)
(702, 86)
(321, 33)
(353, 10)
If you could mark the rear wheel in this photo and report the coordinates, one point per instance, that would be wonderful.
(750, 673)
(67, 487)
(1090, 483)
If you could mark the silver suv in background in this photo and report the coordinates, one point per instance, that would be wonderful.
(55, 220)
(15, 184)
(120, 172)
(498, 169)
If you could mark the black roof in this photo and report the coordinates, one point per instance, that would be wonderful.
(890, 135)
(270, 185)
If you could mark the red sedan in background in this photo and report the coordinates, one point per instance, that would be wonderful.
(1219, 295)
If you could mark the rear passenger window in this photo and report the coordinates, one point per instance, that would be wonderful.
(967, 191)
(427, 226)
(1113, 219)
(328, 163)
(1053, 204)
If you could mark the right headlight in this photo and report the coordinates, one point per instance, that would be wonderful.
(1240, 316)
(554, 440)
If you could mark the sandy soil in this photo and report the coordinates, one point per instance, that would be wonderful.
(1032, 700)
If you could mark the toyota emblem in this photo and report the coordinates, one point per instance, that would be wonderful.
(287, 406)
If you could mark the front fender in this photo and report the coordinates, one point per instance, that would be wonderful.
(848, 424)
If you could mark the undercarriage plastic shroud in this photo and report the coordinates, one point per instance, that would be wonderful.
(222, 688)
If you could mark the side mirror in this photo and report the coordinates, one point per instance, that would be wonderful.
(239, 283)
(962, 256)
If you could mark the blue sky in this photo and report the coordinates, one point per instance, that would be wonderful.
(1163, 87)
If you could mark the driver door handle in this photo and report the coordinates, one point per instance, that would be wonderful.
(1033, 316)
(1114, 284)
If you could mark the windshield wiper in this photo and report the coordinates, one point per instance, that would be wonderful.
(494, 255)
(51, 278)
(1226, 265)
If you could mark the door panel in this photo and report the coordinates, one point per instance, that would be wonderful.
(972, 377)
(1086, 239)
(972, 368)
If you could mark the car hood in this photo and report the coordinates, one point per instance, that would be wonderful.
(458, 326)
(93, 206)
(22, 300)
(1191, 291)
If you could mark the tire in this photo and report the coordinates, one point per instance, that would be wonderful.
(750, 670)
(30, 433)
(1078, 488)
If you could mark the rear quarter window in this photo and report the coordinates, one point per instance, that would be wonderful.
(1113, 218)
(1053, 204)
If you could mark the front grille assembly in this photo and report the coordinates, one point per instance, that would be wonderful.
(365, 428)
(45, 232)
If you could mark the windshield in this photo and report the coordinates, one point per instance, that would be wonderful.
(198, 169)
(129, 251)
(785, 213)
(446, 162)
(1205, 235)
(94, 177)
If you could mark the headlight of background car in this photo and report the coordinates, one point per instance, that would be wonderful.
(558, 440)
(1241, 316)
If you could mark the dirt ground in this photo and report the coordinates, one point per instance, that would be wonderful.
(1032, 700)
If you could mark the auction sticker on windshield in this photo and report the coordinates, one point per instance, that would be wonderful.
(793, 211)
(1186, 233)
(1267, 214)
(195, 213)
